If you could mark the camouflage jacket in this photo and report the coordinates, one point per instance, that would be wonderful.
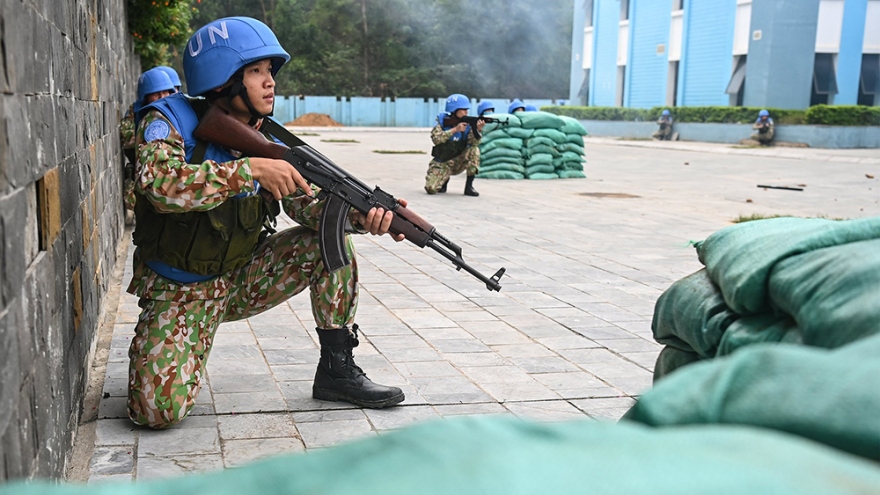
(439, 136)
(127, 130)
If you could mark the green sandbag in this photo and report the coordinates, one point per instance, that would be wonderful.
(759, 329)
(832, 293)
(571, 148)
(540, 141)
(829, 396)
(491, 136)
(570, 174)
(539, 169)
(505, 455)
(557, 136)
(499, 153)
(512, 121)
(568, 156)
(574, 166)
(500, 174)
(541, 148)
(499, 167)
(672, 358)
(519, 132)
(540, 120)
(540, 159)
(691, 315)
(572, 125)
(509, 143)
(543, 176)
(576, 139)
(739, 258)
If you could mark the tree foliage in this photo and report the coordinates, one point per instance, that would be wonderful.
(157, 27)
(390, 48)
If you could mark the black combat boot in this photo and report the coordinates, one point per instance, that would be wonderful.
(443, 187)
(469, 187)
(339, 378)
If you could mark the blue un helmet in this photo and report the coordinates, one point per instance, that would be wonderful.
(531, 108)
(220, 49)
(665, 113)
(153, 81)
(456, 102)
(515, 105)
(763, 113)
(172, 74)
(485, 107)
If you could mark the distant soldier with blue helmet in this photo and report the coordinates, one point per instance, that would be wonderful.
(172, 74)
(664, 133)
(486, 107)
(765, 128)
(456, 148)
(152, 85)
(530, 108)
(516, 106)
(206, 252)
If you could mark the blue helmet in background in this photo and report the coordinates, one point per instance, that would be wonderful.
(153, 81)
(665, 112)
(172, 74)
(221, 48)
(763, 113)
(457, 101)
(485, 106)
(515, 104)
(531, 108)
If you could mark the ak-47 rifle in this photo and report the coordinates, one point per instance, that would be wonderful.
(340, 190)
(451, 149)
(452, 121)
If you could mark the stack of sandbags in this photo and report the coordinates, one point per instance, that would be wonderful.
(539, 150)
(570, 164)
(501, 149)
(814, 282)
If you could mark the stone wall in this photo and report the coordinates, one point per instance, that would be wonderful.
(67, 69)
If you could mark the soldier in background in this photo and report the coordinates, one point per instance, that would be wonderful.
(516, 106)
(664, 133)
(486, 107)
(456, 149)
(765, 128)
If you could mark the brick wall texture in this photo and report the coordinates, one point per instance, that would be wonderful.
(67, 72)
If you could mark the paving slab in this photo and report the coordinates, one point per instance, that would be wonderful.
(568, 336)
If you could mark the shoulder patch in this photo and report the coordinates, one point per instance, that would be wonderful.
(157, 130)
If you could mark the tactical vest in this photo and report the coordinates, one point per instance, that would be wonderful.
(201, 242)
(456, 145)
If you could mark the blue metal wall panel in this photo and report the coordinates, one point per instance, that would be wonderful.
(849, 60)
(646, 70)
(707, 52)
(604, 73)
(367, 112)
(780, 65)
(576, 75)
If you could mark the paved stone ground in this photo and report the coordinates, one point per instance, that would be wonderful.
(569, 335)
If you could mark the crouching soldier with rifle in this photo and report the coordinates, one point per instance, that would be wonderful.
(204, 250)
(456, 147)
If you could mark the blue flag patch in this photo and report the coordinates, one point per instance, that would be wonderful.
(157, 130)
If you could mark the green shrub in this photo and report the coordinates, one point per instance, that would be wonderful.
(156, 27)
(843, 115)
(820, 114)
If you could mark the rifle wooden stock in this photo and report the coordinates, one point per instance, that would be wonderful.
(341, 190)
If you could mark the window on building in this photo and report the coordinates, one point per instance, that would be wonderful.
(584, 92)
(621, 83)
(672, 84)
(736, 88)
(824, 79)
(588, 13)
(869, 81)
(624, 10)
(677, 5)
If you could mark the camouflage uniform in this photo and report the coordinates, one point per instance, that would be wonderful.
(664, 133)
(769, 131)
(127, 135)
(439, 172)
(176, 327)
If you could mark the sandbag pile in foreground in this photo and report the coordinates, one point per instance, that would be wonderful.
(534, 145)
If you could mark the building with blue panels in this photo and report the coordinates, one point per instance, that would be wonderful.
(757, 53)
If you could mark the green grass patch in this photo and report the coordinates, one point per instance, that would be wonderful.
(340, 141)
(761, 216)
(399, 152)
(307, 134)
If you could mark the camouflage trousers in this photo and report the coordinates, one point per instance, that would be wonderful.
(439, 172)
(764, 137)
(176, 327)
(128, 196)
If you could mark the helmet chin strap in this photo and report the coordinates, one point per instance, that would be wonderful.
(238, 89)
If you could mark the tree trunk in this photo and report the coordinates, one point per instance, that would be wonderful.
(366, 49)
